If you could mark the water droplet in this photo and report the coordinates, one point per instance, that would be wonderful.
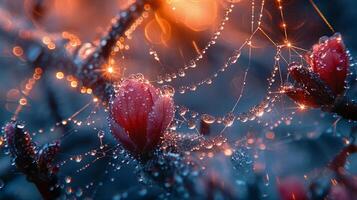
(208, 81)
(191, 124)
(68, 179)
(20, 126)
(209, 119)
(2, 184)
(167, 90)
(192, 64)
(229, 119)
(159, 80)
(101, 134)
(182, 111)
(78, 158)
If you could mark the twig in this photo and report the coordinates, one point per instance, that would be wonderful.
(88, 71)
(36, 165)
(311, 91)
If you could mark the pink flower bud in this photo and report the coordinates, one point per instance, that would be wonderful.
(329, 60)
(139, 115)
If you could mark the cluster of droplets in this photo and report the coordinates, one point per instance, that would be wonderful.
(209, 80)
(193, 62)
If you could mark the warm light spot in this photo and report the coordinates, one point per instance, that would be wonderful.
(36, 76)
(28, 86)
(38, 70)
(270, 135)
(262, 146)
(147, 7)
(158, 30)
(210, 155)
(59, 75)
(228, 152)
(83, 90)
(74, 84)
(302, 107)
(89, 91)
(51, 46)
(95, 99)
(250, 141)
(1, 141)
(46, 40)
(23, 101)
(70, 78)
(110, 69)
(17, 51)
(197, 15)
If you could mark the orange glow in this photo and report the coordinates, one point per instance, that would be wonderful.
(38, 70)
(51, 46)
(46, 40)
(302, 107)
(59, 75)
(17, 51)
(198, 15)
(158, 30)
(228, 152)
(250, 141)
(74, 84)
(1, 141)
(89, 91)
(110, 69)
(270, 135)
(23, 101)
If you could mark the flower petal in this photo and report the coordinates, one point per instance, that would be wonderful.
(122, 136)
(159, 119)
(131, 106)
(329, 59)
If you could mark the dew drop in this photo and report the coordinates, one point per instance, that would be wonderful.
(101, 134)
(167, 90)
(68, 179)
(191, 124)
(2, 184)
(209, 119)
(181, 73)
(78, 158)
(229, 119)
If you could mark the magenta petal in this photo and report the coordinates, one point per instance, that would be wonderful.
(159, 119)
(330, 60)
(122, 136)
(131, 106)
(130, 109)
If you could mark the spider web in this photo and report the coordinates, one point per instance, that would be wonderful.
(272, 111)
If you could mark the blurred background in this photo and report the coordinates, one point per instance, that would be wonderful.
(162, 44)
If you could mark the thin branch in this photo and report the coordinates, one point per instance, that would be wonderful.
(36, 165)
(88, 71)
